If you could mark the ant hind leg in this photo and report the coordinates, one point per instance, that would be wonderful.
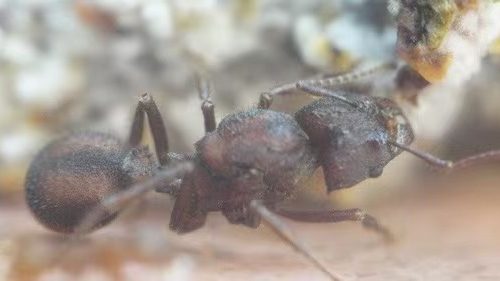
(147, 106)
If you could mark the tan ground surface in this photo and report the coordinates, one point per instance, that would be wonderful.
(449, 231)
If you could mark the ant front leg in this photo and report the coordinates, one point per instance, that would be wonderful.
(147, 106)
(284, 232)
(207, 106)
(266, 98)
(357, 215)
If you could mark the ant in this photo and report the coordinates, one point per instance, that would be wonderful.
(243, 167)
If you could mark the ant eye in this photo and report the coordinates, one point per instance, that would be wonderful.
(71, 176)
(375, 172)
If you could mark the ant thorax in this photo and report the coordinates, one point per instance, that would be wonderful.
(258, 151)
(252, 155)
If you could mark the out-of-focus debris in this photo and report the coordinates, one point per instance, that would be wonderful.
(350, 34)
(317, 50)
(17, 144)
(91, 14)
(181, 269)
(445, 40)
(47, 84)
(5, 260)
(495, 47)
(40, 259)
(410, 83)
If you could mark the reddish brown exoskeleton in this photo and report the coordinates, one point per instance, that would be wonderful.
(243, 167)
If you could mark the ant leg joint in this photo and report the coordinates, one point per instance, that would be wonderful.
(370, 222)
(208, 110)
(265, 101)
(207, 105)
(145, 98)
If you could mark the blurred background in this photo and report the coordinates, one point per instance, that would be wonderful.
(76, 65)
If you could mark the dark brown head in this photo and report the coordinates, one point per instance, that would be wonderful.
(353, 136)
(73, 174)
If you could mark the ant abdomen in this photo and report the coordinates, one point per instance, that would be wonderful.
(73, 174)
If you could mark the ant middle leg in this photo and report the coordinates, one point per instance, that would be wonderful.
(333, 216)
(207, 106)
(147, 106)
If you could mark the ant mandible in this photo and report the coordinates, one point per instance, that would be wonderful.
(243, 167)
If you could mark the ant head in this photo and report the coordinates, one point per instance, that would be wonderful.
(72, 175)
(352, 135)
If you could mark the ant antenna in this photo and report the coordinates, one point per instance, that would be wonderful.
(493, 155)
(288, 236)
(427, 157)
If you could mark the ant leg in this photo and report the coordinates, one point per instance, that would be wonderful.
(114, 203)
(368, 221)
(207, 106)
(266, 98)
(324, 92)
(353, 76)
(488, 156)
(280, 228)
(148, 106)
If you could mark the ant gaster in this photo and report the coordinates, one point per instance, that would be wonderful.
(244, 167)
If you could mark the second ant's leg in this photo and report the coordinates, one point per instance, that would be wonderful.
(356, 215)
(207, 106)
(286, 233)
(148, 107)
